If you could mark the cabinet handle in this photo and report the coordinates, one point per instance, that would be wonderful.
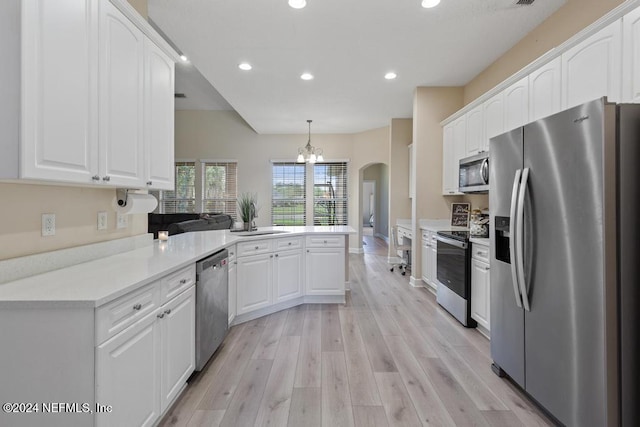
(160, 316)
(481, 253)
(230, 253)
(307, 250)
(487, 268)
(137, 306)
(270, 256)
(95, 178)
(289, 243)
(168, 311)
(149, 182)
(325, 242)
(183, 281)
(106, 178)
(235, 262)
(257, 248)
(451, 192)
(276, 255)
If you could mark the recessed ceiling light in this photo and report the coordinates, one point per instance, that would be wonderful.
(306, 76)
(184, 58)
(245, 66)
(390, 75)
(297, 4)
(430, 3)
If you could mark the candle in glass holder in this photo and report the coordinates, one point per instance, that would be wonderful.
(163, 235)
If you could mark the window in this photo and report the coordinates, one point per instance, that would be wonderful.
(219, 194)
(330, 194)
(183, 199)
(288, 194)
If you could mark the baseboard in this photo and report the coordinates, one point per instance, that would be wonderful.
(431, 288)
(383, 237)
(416, 283)
(307, 299)
(356, 251)
(484, 332)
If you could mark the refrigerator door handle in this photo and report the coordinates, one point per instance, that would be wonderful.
(514, 236)
(520, 242)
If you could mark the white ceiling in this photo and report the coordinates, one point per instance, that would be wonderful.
(348, 45)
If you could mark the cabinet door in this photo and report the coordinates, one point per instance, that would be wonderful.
(480, 296)
(454, 148)
(434, 266)
(178, 326)
(631, 57)
(287, 275)
(128, 375)
(233, 289)
(325, 271)
(159, 118)
(121, 99)
(592, 69)
(255, 276)
(475, 131)
(447, 159)
(60, 98)
(545, 90)
(516, 104)
(424, 258)
(493, 119)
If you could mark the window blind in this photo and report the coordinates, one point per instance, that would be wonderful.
(330, 193)
(183, 198)
(219, 184)
(288, 195)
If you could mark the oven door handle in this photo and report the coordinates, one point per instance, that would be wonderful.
(514, 236)
(452, 242)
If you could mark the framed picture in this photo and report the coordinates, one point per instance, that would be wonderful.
(460, 214)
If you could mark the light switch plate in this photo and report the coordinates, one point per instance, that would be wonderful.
(122, 221)
(102, 220)
(48, 224)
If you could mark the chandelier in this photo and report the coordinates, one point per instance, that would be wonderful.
(309, 153)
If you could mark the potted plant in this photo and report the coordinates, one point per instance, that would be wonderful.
(248, 212)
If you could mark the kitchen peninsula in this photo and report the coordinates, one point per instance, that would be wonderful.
(77, 334)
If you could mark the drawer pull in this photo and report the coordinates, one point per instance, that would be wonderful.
(106, 178)
(95, 178)
(183, 281)
(325, 242)
(276, 255)
(270, 256)
(289, 243)
(257, 247)
(149, 182)
(160, 316)
(481, 253)
(487, 268)
(168, 311)
(137, 306)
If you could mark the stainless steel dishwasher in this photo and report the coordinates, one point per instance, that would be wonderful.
(212, 305)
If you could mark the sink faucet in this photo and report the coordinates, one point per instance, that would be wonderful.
(252, 217)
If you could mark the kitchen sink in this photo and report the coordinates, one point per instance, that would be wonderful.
(257, 233)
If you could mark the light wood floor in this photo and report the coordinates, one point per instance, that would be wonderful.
(389, 356)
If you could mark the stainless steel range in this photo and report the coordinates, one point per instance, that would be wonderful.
(453, 272)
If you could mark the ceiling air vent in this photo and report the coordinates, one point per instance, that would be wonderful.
(180, 95)
(525, 2)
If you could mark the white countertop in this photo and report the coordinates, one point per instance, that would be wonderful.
(94, 283)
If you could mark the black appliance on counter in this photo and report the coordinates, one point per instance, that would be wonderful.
(453, 272)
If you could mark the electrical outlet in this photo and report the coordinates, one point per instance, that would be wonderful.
(122, 220)
(48, 224)
(102, 220)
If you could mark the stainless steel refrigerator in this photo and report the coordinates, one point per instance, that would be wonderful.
(564, 252)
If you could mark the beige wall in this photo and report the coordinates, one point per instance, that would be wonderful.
(567, 21)
(76, 212)
(224, 135)
(140, 6)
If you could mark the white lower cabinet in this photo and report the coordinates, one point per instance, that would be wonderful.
(480, 286)
(288, 275)
(255, 280)
(429, 258)
(325, 271)
(128, 375)
(141, 370)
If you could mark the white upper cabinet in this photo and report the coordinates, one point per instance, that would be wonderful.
(121, 99)
(493, 119)
(475, 131)
(516, 104)
(545, 90)
(631, 57)
(91, 88)
(59, 103)
(592, 69)
(453, 149)
(159, 118)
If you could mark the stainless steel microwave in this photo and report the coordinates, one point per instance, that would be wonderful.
(474, 174)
